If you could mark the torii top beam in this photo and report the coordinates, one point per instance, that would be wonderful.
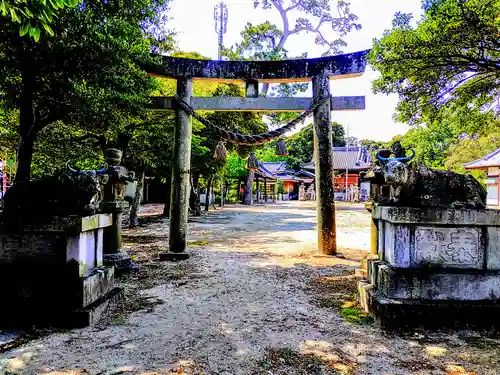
(299, 70)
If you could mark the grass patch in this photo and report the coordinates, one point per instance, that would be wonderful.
(286, 361)
(198, 243)
(117, 320)
(351, 312)
(132, 239)
(339, 293)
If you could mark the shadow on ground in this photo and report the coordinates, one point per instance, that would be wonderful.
(253, 300)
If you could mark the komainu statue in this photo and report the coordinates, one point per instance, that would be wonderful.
(413, 185)
(70, 192)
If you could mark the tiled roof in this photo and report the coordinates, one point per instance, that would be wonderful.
(275, 166)
(278, 170)
(265, 172)
(353, 158)
(490, 160)
(305, 174)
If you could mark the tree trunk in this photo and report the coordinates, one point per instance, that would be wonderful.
(195, 195)
(247, 197)
(27, 122)
(166, 208)
(24, 159)
(265, 189)
(207, 196)
(222, 193)
(134, 209)
(257, 189)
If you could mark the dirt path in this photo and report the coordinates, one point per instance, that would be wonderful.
(251, 300)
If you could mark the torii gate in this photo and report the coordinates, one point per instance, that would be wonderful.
(320, 71)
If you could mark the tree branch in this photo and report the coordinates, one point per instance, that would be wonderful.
(453, 87)
(292, 7)
(286, 23)
(310, 29)
(100, 139)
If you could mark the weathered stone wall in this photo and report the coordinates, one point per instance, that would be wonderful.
(435, 238)
(435, 268)
(54, 243)
(52, 272)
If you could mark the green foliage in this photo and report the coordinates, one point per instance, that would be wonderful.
(450, 59)
(280, 188)
(267, 153)
(33, 17)
(352, 313)
(259, 41)
(453, 138)
(89, 77)
(55, 146)
(240, 122)
(301, 145)
(372, 146)
(468, 148)
(235, 166)
(9, 122)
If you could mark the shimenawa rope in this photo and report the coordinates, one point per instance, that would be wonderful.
(255, 139)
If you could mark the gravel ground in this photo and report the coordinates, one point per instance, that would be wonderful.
(246, 302)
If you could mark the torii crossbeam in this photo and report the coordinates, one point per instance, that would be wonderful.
(320, 71)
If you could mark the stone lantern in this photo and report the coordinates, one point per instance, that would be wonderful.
(114, 203)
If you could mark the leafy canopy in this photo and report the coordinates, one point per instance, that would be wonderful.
(35, 16)
(89, 77)
(450, 58)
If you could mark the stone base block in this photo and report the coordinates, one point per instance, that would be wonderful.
(121, 261)
(440, 285)
(403, 315)
(360, 272)
(59, 300)
(437, 268)
(173, 257)
(91, 314)
(77, 318)
(96, 286)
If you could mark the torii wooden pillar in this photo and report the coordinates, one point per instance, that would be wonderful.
(320, 71)
(180, 188)
(323, 165)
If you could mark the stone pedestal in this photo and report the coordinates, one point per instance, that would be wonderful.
(53, 272)
(435, 267)
(114, 203)
(113, 254)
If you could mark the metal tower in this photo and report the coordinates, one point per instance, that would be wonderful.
(220, 18)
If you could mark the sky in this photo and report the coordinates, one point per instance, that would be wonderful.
(193, 22)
